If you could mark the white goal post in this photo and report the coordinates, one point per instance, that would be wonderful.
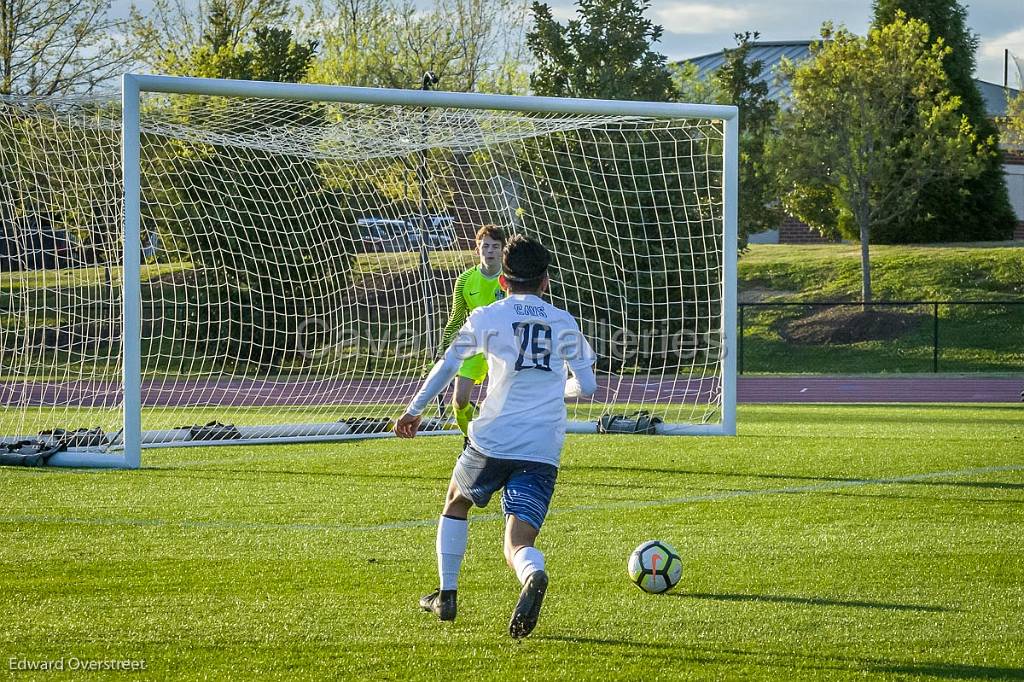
(232, 255)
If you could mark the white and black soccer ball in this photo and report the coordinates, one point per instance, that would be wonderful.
(655, 567)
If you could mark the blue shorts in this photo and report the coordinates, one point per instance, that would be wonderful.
(528, 485)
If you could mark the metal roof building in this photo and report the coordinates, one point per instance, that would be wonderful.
(772, 53)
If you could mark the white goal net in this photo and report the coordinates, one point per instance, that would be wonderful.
(297, 257)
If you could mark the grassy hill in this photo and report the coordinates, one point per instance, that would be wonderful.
(810, 338)
(814, 338)
(982, 272)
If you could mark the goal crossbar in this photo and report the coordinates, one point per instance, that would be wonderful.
(182, 85)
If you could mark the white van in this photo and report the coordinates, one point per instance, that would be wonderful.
(440, 231)
(384, 234)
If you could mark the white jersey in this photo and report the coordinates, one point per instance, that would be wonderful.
(530, 345)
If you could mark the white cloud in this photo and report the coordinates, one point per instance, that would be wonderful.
(990, 56)
(699, 17)
(563, 13)
(1013, 41)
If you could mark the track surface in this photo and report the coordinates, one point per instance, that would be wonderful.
(878, 390)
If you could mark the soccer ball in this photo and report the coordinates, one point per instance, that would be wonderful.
(655, 567)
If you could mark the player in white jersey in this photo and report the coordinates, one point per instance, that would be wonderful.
(515, 443)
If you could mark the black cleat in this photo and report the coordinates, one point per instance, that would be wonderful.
(440, 602)
(527, 611)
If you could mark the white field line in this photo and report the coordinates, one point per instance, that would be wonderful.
(478, 518)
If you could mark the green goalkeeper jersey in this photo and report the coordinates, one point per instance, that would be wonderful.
(473, 289)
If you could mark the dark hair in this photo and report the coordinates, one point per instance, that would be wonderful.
(524, 263)
(492, 232)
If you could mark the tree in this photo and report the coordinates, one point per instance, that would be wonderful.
(958, 208)
(256, 223)
(273, 55)
(471, 45)
(1013, 124)
(605, 53)
(872, 124)
(56, 171)
(166, 36)
(624, 195)
(741, 82)
(690, 87)
(54, 47)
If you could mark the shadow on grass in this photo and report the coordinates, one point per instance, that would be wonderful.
(930, 498)
(608, 641)
(951, 671)
(795, 477)
(810, 601)
(793, 662)
(993, 485)
(184, 472)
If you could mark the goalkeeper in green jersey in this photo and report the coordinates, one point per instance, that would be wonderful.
(474, 288)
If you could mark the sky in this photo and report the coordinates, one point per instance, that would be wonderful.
(696, 27)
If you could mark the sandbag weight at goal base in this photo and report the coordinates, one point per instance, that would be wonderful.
(641, 422)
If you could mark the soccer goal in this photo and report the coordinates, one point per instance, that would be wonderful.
(232, 262)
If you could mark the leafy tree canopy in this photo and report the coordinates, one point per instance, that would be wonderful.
(603, 53)
(872, 123)
(959, 208)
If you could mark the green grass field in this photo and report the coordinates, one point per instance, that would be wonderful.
(983, 271)
(824, 542)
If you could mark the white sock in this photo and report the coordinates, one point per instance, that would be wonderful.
(526, 562)
(452, 535)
